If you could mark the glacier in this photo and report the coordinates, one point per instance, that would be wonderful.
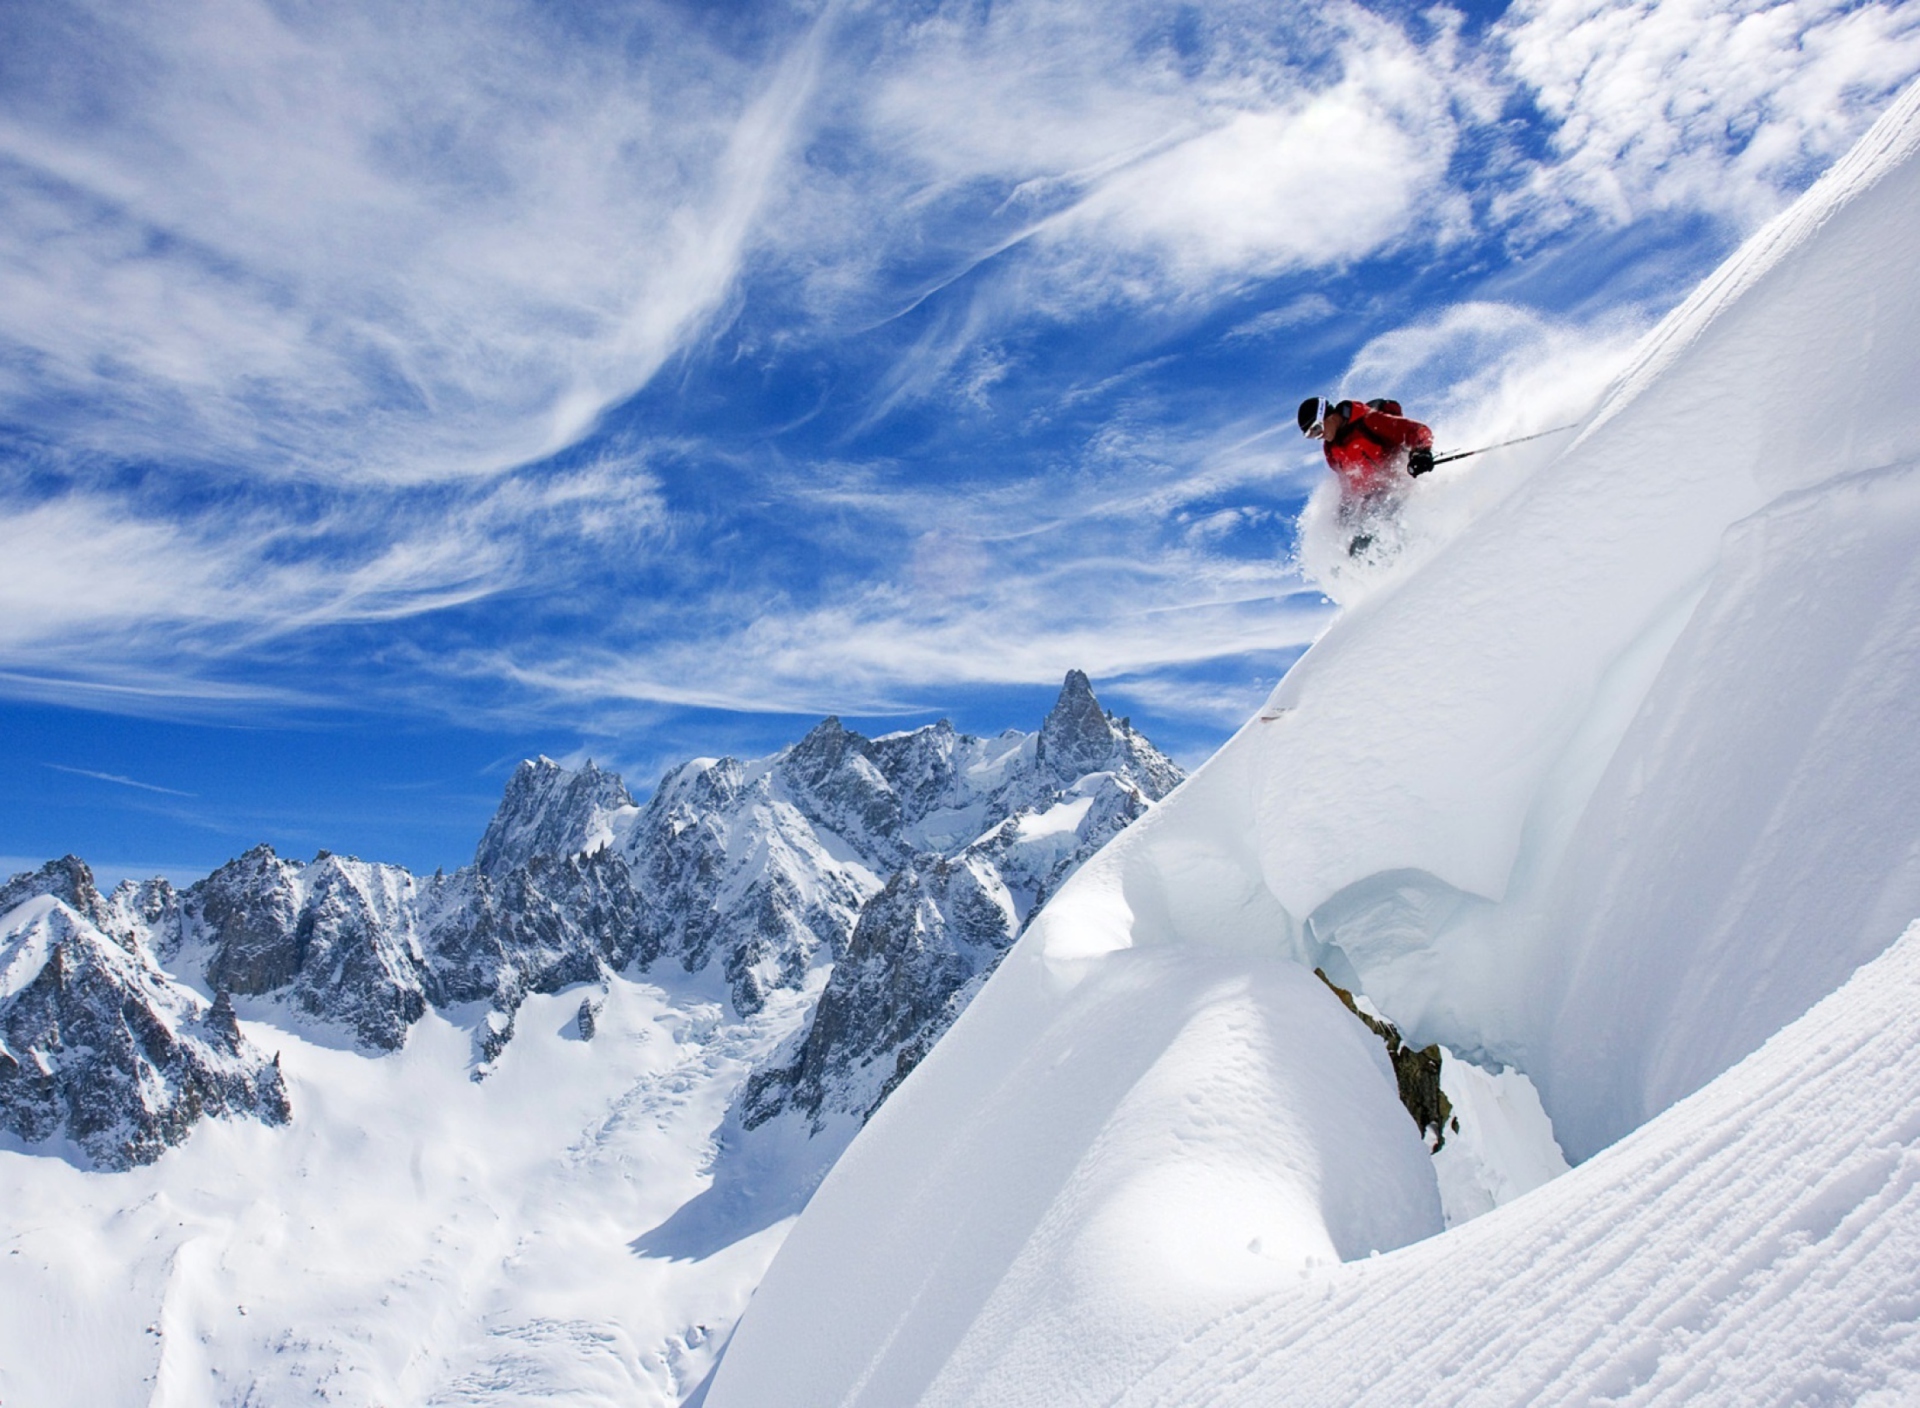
(1615, 787)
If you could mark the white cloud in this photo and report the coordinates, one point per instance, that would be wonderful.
(401, 252)
(101, 600)
(1111, 568)
(120, 779)
(1316, 178)
(1723, 106)
(1124, 152)
(1295, 312)
(392, 247)
(876, 655)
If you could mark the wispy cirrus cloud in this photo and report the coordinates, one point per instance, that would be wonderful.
(502, 355)
(119, 780)
(126, 609)
(389, 246)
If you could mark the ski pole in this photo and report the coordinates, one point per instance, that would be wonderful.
(1520, 440)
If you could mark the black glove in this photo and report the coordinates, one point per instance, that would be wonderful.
(1419, 462)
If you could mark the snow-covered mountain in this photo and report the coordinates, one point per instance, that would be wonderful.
(99, 1048)
(1616, 788)
(620, 1048)
(1036, 807)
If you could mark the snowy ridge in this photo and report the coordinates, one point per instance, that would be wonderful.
(766, 866)
(926, 940)
(1610, 789)
(553, 812)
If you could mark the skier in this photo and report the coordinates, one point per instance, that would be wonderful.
(1368, 444)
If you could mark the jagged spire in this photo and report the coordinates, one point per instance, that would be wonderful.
(1076, 738)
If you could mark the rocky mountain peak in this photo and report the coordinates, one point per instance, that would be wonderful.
(249, 908)
(68, 880)
(836, 782)
(552, 811)
(1077, 737)
(101, 1046)
(909, 863)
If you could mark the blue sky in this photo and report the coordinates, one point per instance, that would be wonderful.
(391, 392)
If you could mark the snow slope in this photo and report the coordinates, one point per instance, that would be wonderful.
(412, 1236)
(1612, 788)
(1757, 1243)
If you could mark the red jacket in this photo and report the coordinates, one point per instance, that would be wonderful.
(1372, 447)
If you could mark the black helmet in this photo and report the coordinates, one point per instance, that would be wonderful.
(1309, 413)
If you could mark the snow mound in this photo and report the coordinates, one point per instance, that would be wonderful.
(1610, 787)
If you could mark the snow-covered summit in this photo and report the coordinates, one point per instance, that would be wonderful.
(502, 1151)
(1613, 788)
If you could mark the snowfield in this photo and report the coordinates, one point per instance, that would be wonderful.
(414, 1236)
(1618, 787)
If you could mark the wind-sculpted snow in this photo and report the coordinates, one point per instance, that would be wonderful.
(1145, 1142)
(1758, 1242)
(1610, 788)
(1756, 831)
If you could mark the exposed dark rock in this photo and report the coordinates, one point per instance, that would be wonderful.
(918, 942)
(536, 928)
(335, 938)
(360, 963)
(1076, 738)
(223, 1024)
(251, 908)
(942, 923)
(919, 767)
(68, 880)
(736, 866)
(1079, 737)
(144, 914)
(835, 782)
(490, 1038)
(550, 812)
(103, 1048)
(1415, 1071)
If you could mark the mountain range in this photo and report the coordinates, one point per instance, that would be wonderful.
(884, 876)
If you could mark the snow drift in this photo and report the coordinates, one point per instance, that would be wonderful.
(1613, 788)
